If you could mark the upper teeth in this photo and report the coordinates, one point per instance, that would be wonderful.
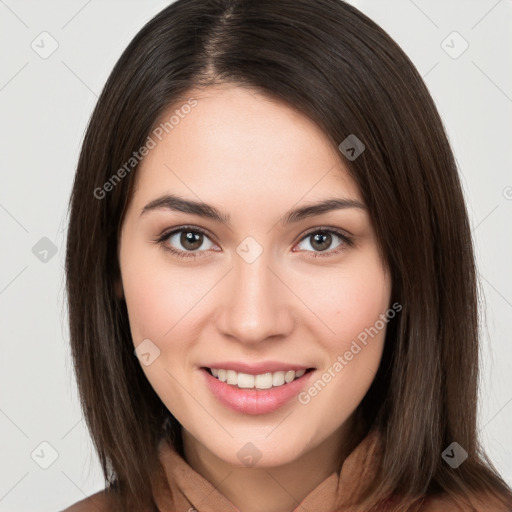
(261, 381)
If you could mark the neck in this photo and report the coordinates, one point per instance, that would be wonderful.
(274, 489)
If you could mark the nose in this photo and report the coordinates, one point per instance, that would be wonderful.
(258, 305)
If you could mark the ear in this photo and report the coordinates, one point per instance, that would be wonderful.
(118, 288)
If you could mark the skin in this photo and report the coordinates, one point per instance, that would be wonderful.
(254, 158)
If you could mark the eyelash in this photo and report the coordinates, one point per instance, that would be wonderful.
(347, 241)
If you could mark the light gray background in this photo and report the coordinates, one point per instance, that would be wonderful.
(45, 104)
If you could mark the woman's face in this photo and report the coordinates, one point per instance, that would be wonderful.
(259, 292)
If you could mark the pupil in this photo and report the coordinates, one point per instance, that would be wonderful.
(321, 239)
(191, 240)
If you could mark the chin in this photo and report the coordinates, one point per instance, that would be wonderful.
(259, 451)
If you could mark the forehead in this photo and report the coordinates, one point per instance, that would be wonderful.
(236, 144)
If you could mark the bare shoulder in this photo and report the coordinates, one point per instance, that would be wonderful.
(98, 502)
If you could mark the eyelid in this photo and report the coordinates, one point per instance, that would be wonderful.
(167, 233)
(331, 229)
(172, 231)
(345, 236)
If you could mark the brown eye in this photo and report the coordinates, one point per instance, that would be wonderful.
(186, 242)
(321, 241)
(191, 240)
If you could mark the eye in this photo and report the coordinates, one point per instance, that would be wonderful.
(190, 242)
(185, 242)
(321, 240)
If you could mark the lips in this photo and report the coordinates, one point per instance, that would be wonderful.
(252, 392)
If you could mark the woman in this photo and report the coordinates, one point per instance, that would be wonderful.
(270, 272)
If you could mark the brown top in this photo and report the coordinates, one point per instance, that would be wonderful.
(183, 488)
(179, 488)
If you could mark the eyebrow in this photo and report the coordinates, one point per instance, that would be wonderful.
(176, 203)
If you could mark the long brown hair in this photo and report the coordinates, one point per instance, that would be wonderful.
(334, 64)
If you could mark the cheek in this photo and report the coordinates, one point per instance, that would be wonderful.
(161, 299)
(155, 304)
(160, 303)
(350, 301)
(351, 306)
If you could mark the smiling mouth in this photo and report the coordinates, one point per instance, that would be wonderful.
(261, 381)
